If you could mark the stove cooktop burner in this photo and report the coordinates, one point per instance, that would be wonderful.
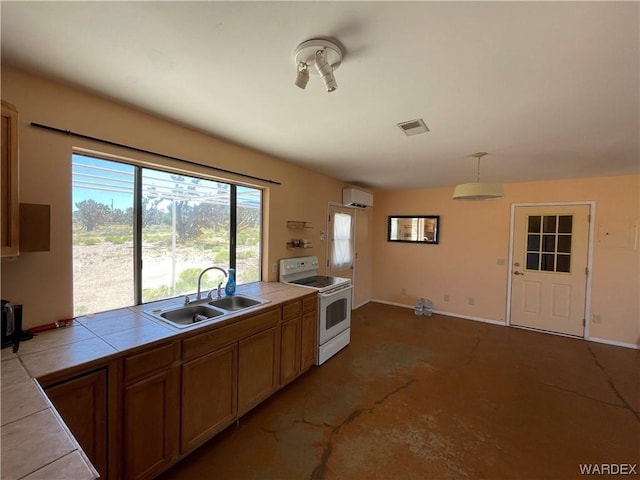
(319, 281)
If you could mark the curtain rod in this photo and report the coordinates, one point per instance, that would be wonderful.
(150, 152)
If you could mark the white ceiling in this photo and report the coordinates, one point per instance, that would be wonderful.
(549, 89)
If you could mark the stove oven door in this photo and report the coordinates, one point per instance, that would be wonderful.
(334, 313)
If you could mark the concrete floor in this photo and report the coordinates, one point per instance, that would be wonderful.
(442, 398)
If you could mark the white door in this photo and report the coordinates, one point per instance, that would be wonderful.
(549, 271)
(340, 230)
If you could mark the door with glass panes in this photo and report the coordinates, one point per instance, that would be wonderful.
(549, 271)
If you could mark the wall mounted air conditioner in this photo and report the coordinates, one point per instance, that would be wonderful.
(356, 198)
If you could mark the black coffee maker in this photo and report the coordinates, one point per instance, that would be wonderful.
(11, 325)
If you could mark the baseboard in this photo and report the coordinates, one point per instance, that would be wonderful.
(614, 343)
(362, 304)
(468, 317)
(394, 304)
(496, 322)
(441, 312)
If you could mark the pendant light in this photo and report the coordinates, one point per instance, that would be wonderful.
(478, 190)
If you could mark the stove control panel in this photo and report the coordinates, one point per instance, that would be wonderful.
(290, 266)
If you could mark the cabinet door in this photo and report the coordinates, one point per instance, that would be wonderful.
(151, 422)
(82, 403)
(290, 351)
(209, 401)
(257, 368)
(309, 344)
(9, 198)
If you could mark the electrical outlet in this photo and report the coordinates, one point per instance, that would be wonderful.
(472, 301)
(274, 268)
(403, 291)
(597, 319)
(446, 297)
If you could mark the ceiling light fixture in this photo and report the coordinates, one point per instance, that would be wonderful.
(478, 190)
(326, 71)
(303, 75)
(325, 55)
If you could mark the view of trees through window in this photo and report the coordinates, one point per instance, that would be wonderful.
(185, 227)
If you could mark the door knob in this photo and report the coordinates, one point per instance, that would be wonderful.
(518, 273)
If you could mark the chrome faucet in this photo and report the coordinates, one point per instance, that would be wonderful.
(199, 295)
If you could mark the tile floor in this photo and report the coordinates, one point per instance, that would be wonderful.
(443, 398)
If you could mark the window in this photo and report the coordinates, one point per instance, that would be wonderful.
(341, 254)
(143, 234)
(549, 243)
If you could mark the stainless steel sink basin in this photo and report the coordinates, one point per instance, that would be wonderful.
(236, 302)
(187, 315)
(202, 313)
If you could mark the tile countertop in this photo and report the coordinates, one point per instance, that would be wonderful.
(36, 444)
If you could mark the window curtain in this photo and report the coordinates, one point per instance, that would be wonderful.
(341, 254)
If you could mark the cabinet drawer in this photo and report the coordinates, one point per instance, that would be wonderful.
(310, 303)
(142, 364)
(199, 345)
(291, 310)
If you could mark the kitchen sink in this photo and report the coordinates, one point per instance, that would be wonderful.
(200, 313)
(234, 303)
(187, 315)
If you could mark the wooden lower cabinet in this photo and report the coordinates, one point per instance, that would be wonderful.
(290, 350)
(135, 416)
(299, 337)
(82, 403)
(209, 399)
(309, 340)
(151, 424)
(258, 364)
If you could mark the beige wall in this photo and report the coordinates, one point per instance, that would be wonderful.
(474, 235)
(42, 282)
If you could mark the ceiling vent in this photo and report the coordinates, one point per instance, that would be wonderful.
(413, 127)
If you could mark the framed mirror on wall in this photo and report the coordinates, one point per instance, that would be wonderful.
(413, 228)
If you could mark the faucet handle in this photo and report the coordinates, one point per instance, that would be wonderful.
(186, 300)
(218, 289)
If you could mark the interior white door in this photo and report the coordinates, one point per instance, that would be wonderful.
(341, 255)
(549, 271)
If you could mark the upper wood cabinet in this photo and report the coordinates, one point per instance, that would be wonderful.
(9, 203)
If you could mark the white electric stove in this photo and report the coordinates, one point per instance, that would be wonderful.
(334, 303)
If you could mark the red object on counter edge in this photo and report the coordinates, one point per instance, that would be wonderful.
(51, 326)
